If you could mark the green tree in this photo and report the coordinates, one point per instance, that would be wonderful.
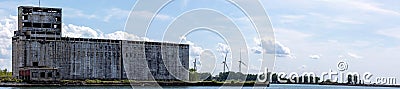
(192, 70)
(193, 75)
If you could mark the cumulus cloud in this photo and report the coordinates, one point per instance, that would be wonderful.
(71, 30)
(223, 48)
(194, 50)
(282, 50)
(313, 56)
(121, 35)
(271, 47)
(7, 26)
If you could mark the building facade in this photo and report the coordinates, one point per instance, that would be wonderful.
(40, 53)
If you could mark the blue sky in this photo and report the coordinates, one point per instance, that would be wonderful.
(313, 35)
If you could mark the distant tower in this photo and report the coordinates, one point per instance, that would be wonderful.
(39, 22)
(35, 24)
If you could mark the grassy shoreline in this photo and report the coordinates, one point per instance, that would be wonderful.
(135, 83)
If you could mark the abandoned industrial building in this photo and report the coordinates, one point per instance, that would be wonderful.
(40, 53)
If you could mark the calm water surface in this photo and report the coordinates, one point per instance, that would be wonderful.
(273, 86)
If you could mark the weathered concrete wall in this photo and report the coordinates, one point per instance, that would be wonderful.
(38, 44)
(78, 58)
(149, 60)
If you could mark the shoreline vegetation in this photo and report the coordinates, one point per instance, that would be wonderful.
(235, 79)
(6, 80)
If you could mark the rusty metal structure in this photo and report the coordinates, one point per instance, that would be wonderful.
(40, 53)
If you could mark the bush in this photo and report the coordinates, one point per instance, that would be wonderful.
(92, 81)
(127, 81)
(11, 80)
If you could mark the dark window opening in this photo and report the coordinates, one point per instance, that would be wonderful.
(35, 63)
(46, 25)
(50, 74)
(26, 10)
(58, 18)
(57, 73)
(42, 75)
(34, 75)
(25, 17)
(27, 24)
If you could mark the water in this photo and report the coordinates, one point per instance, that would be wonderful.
(273, 86)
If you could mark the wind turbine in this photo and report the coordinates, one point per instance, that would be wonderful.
(194, 64)
(241, 62)
(224, 62)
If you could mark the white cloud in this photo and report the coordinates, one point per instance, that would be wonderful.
(5, 64)
(280, 49)
(121, 35)
(313, 56)
(7, 26)
(223, 48)
(257, 49)
(194, 50)
(71, 30)
(354, 55)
